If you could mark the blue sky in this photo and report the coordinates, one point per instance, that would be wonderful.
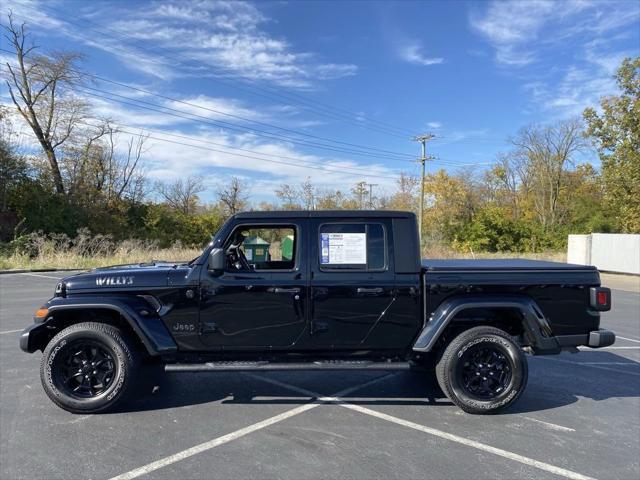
(345, 82)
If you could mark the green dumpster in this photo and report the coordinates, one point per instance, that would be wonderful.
(287, 247)
(256, 249)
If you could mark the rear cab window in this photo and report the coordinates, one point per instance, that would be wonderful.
(352, 247)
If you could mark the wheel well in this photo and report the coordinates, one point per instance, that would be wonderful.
(65, 318)
(506, 319)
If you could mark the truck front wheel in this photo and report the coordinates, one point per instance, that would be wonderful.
(482, 370)
(88, 367)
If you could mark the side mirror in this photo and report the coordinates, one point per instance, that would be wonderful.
(217, 259)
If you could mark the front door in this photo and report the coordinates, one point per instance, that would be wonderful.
(260, 300)
(352, 281)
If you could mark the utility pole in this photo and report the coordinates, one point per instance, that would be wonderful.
(423, 139)
(371, 185)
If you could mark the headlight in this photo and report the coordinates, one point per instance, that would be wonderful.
(61, 290)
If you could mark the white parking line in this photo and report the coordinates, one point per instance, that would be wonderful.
(628, 339)
(617, 370)
(11, 331)
(552, 426)
(189, 452)
(38, 275)
(563, 472)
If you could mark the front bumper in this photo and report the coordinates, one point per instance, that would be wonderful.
(595, 339)
(33, 337)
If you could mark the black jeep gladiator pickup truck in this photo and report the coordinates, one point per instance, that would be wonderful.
(328, 290)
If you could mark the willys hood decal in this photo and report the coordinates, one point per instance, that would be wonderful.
(126, 276)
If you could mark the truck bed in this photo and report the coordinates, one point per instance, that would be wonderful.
(561, 290)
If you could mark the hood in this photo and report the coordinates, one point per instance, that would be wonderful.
(127, 277)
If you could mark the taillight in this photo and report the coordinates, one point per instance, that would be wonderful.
(600, 298)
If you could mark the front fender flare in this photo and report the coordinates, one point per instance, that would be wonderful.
(535, 325)
(148, 328)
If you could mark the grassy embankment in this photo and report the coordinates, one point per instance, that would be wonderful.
(86, 252)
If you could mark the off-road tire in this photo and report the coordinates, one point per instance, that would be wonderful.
(454, 364)
(114, 342)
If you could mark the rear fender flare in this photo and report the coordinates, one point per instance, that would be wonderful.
(535, 324)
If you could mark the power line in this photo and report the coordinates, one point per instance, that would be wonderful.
(245, 119)
(356, 170)
(227, 124)
(233, 85)
(304, 166)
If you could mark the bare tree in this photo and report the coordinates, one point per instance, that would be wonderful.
(233, 196)
(96, 165)
(39, 87)
(330, 200)
(288, 195)
(406, 196)
(181, 195)
(543, 155)
(308, 194)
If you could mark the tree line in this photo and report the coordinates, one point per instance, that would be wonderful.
(88, 174)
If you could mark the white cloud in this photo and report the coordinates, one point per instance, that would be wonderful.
(199, 38)
(264, 165)
(566, 52)
(577, 88)
(214, 108)
(434, 125)
(413, 54)
(521, 30)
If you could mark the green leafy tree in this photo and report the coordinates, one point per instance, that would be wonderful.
(616, 134)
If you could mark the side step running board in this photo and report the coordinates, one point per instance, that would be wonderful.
(268, 366)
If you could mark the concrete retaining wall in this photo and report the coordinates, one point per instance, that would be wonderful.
(610, 252)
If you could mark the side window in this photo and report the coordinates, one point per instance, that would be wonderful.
(353, 246)
(256, 248)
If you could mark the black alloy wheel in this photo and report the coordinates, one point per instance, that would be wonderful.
(485, 372)
(482, 370)
(86, 369)
(89, 367)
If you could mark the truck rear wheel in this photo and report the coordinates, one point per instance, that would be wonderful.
(88, 367)
(482, 370)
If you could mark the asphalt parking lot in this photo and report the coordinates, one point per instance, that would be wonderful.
(579, 418)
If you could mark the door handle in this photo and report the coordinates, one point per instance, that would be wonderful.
(370, 290)
(286, 290)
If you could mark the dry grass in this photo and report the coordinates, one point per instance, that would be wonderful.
(69, 260)
(449, 253)
(86, 251)
(437, 249)
(37, 251)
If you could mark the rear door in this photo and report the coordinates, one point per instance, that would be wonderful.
(352, 280)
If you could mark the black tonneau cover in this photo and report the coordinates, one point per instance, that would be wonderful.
(447, 265)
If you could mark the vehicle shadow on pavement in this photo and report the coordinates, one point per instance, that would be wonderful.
(553, 382)
(178, 390)
(556, 381)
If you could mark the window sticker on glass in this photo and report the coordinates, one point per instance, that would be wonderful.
(343, 248)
